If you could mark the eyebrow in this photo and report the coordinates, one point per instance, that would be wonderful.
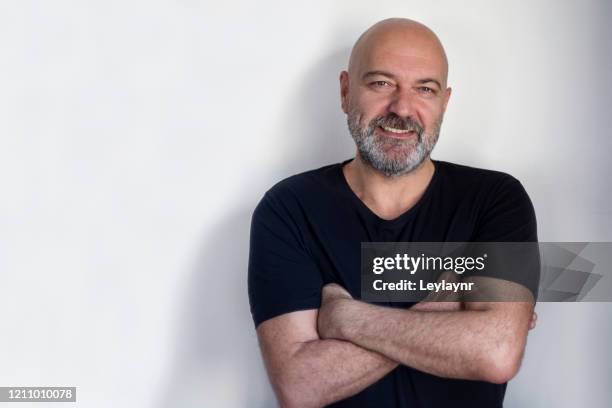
(390, 75)
(374, 73)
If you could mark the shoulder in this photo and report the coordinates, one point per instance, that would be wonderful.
(506, 212)
(303, 186)
(298, 193)
(307, 181)
(485, 186)
(462, 175)
(503, 207)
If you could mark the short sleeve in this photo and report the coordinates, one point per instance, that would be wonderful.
(282, 276)
(508, 215)
(507, 234)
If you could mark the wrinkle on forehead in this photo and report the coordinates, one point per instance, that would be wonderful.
(401, 37)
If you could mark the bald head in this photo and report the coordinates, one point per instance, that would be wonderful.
(399, 36)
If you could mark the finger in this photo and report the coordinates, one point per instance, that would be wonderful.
(334, 290)
(331, 290)
(532, 322)
(326, 292)
(331, 286)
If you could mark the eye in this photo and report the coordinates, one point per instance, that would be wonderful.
(381, 84)
(427, 90)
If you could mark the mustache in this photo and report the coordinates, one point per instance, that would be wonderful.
(397, 122)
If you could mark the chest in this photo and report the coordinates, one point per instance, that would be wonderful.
(334, 235)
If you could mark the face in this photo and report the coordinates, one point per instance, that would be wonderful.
(395, 100)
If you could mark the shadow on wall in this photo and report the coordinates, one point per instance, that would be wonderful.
(217, 361)
(314, 130)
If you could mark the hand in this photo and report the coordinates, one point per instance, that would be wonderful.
(333, 298)
(533, 321)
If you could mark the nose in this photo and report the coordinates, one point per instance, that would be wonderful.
(403, 103)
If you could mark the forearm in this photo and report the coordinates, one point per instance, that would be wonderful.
(469, 344)
(307, 371)
(324, 371)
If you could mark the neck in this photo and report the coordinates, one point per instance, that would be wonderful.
(388, 197)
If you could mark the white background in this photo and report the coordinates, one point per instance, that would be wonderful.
(136, 137)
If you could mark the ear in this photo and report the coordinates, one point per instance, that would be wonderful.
(344, 89)
(447, 94)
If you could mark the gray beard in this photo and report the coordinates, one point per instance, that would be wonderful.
(392, 157)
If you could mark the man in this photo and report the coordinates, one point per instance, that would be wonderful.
(322, 346)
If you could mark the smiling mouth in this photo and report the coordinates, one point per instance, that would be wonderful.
(397, 133)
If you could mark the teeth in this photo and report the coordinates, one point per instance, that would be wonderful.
(394, 130)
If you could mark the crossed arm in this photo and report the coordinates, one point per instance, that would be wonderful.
(315, 357)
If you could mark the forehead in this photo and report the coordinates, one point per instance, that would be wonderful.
(403, 54)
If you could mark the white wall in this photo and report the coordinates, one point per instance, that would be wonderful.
(136, 138)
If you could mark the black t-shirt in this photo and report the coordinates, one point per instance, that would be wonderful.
(307, 231)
